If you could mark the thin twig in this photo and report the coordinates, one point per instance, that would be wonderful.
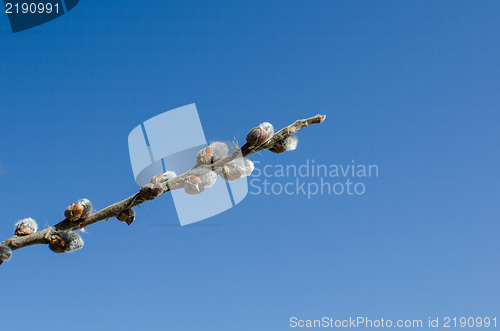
(42, 237)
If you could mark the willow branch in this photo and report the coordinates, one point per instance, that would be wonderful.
(42, 237)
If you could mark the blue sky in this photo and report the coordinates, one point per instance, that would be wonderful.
(409, 86)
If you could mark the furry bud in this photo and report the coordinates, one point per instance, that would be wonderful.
(287, 144)
(156, 179)
(244, 166)
(268, 127)
(205, 155)
(213, 153)
(25, 227)
(207, 177)
(151, 191)
(163, 177)
(230, 173)
(278, 148)
(257, 136)
(219, 150)
(249, 167)
(290, 143)
(127, 216)
(5, 253)
(65, 241)
(168, 175)
(193, 185)
(78, 210)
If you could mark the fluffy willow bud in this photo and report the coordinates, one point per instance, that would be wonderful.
(78, 210)
(193, 185)
(287, 144)
(236, 169)
(127, 216)
(259, 135)
(243, 165)
(65, 241)
(25, 227)
(151, 191)
(208, 177)
(5, 253)
(268, 127)
(212, 153)
(230, 173)
(163, 177)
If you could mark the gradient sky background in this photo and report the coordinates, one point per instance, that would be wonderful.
(410, 86)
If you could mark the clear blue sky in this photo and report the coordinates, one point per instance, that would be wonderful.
(410, 86)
